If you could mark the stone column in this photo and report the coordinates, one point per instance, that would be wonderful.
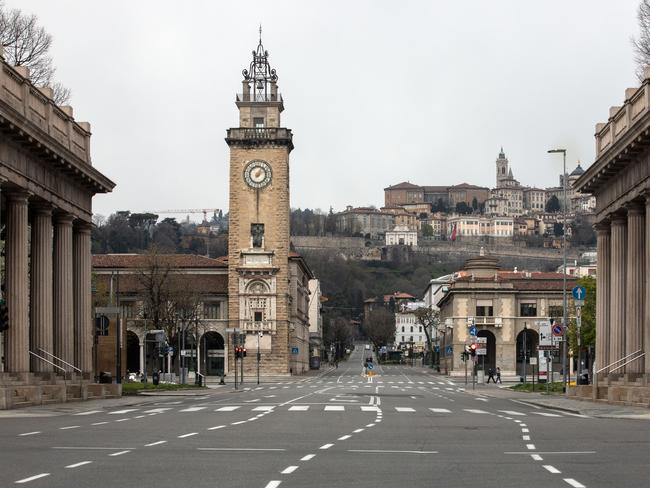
(83, 324)
(17, 284)
(603, 295)
(41, 332)
(63, 282)
(634, 285)
(617, 289)
(646, 292)
(142, 356)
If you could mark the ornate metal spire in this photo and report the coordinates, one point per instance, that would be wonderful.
(260, 72)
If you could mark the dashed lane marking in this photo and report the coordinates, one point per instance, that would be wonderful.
(440, 410)
(574, 483)
(29, 433)
(547, 414)
(193, 409)
(119, 453)
(536, 457)
(99, 423)
(551, 469)
(32, 478)
(404, 409)
(187, 435)
(307, 457)
(273, 484)
(122, 412)
(325, 446)
(289, 470)
(70, 427)
(216, 427)
(474, 410)
(76, 465)
(157, 443)
(226, 409)
(344, 437)
(89, 412)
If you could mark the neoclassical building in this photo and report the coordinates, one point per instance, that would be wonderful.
(47, 181)
(504, 306)
(620, 181)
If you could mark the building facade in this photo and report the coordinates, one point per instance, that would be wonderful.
(402, 235)
(47, 182)
(504, 306)
(365, 221)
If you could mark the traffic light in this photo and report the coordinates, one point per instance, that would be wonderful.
(4, 316)
(237, 352)
(472, 349)
(243, 352)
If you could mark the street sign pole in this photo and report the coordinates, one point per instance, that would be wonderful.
(578, 338)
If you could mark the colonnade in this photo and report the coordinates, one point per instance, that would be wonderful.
(47, 287)
(623, 290)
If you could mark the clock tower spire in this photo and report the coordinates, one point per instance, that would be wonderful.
(258, 237)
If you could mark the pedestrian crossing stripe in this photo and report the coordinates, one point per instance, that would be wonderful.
(193, 409)
(440, 410)
(299, 408)
(405, 409)
(334, 408)
(226, 409)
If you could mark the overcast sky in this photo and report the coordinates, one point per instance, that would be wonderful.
(376, 92)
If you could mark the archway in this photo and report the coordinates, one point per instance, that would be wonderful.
(489, 360)
(530, 338)
(132, 352)
(212, 353)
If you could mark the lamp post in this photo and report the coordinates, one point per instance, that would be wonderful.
(564, 296)
(524, 351)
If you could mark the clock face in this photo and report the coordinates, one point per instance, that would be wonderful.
(257, 174)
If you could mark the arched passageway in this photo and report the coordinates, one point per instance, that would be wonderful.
(212, 353)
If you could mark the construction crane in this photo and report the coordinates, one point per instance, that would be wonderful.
(204, 211)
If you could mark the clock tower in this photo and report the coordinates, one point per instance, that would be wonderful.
(258, 238)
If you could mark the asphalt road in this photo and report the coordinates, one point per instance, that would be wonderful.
(403, 427)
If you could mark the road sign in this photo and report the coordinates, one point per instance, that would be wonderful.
(188, 353)
(294, 350)
(557, 330)
(170, 350)
(579, 292)
(533, 361)
(449, 349)
(481, 346)
(578, 312)
(473, 331)
(545, 335)
(369, 366)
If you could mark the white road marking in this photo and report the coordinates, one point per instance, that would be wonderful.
(121, 420)
(119, 453)
(263, 409)
(370, 425)
(325, 446)
(235, 449)
(192, 409)
(139, 417)
(29, 433)
(289, 470)
(99, 423)
(157, 443)
(525, 437)
(530, 446)
(391, 451)
(525, 431)
(157, 410)
(405, 409)
(226, 409)
(89, 412)
(367, 408)
(238, 423)
(307, 457)
(76, 465)
(273, 484)
(334, 408)
(216, 427)
(187, 435)
(482, 399)
(69, 427)
(474, 410)
(440, 410)
(536, 457)
(574, 483)
(357, 431)
(344, 437)
(299, 408)
(551, 469)
(121, 412)
(546, 414)
(32, 478)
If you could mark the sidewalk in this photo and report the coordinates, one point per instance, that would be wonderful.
(559, 402)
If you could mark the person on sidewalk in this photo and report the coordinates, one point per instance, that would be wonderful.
(491, 376)
(498, 375)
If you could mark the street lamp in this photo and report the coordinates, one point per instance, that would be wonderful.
(564, 297)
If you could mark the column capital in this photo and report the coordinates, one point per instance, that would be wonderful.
(42, 207)
(17, 195)
(63, 218)
(82, 227)
(602, 227)
(634, 208)
(619, 218)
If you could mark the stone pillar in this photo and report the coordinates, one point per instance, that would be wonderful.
(41, 332)
(603, 295)
(83, 323)
(646, 292)
(63, 282)
(617, 289)
(142, 356)
(634, 285)
(17, 284)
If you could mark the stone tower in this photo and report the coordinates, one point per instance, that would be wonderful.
(258, 238)
(502, 168)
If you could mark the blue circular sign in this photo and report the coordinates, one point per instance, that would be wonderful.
(370, 366)
(557, 330)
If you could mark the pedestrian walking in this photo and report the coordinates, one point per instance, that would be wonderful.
(491, 376)
(498, 375)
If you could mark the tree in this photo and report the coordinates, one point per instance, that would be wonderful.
(463, 208)
(427, 230)
(27, 44)
(153, 279)
(475, 204)
(588, 322)
(582, 233)
(336, 335)
(428, 319)
(379, 327)
(552, 205)
(642, 43)
(558, 229)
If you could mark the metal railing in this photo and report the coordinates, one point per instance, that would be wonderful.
(624, 360)
(259, 97)
(60, 360)
(48, 362)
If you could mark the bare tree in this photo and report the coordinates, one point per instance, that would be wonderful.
(642, 43)
(153, 278)
(379, 327)
(428, 319)
(26, 43)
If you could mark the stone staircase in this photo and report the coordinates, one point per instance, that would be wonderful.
(30, 389)
(617, 389)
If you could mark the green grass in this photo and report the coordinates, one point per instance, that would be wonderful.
(135, 388)
(552, 388)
